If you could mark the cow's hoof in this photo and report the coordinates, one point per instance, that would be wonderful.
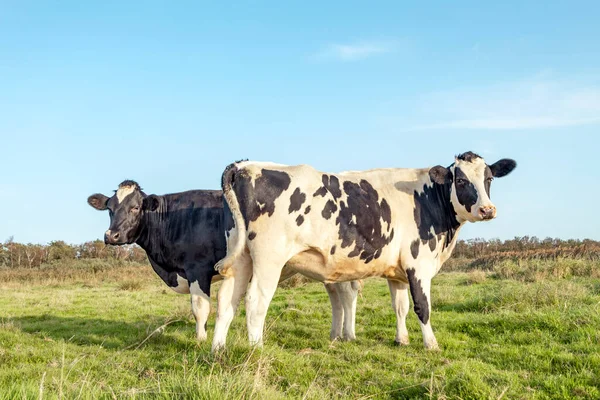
(201, 337)
(402, 342)
(432, 346)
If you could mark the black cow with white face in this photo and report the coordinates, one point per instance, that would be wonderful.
(400, 224)
(183, 235)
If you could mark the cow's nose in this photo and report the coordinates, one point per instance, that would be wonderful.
(110, 237)
(487, 212)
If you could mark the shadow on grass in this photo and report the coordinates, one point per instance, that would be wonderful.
(110, 334)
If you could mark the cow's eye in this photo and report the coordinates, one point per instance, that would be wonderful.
(135, 209)
(489, 179)
(460, 181)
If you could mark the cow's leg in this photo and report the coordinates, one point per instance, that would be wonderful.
(337, 311)
(348, 293)
(401, 305)
(420, 285)
(260, 293)
(232, 289)
(200, 291)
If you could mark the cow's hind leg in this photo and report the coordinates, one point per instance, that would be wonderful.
(337, 311)
(348, 293)
(401, 305)
(200, 291)
(260, 293)
(420, 285)
(232, 289)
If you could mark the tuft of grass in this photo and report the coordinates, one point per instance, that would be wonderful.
(295, 281)
(130, 285)
(476, 276)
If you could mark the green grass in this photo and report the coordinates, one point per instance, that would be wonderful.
(133, 338)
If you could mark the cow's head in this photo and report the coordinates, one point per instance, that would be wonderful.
(470, 179)
(126, 208)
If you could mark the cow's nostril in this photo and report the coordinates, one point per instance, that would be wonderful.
(116, 235)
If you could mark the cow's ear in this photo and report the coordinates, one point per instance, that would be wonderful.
(98, 201)
(503, 167)
(150, 203)
(440, 175)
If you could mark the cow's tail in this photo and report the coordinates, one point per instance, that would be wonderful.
(236, 240)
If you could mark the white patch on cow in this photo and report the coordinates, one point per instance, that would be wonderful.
(195, 289)
(200, 309)
(123, 192)
(243, 164)
(182, 287)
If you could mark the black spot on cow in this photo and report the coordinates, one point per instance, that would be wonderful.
(433, 243)
(299, 220)
(322, 191)
(296, 200)
(251, 235)
(465, 190)
(258, 199)
(360, 221)
(332, 251)
(386, 213)
(330, 208)
(414, 248)
(433, 210)
(420, 302)
(228, 219)
(488, 176)
(332, 184)
(307, 210)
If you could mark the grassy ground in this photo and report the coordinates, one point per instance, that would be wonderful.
(132, 338)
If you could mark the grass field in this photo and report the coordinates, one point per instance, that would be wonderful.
(78, 334)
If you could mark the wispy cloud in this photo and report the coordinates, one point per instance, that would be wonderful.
(536, 103)
(356, 51)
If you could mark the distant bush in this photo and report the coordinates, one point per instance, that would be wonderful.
(18, 255)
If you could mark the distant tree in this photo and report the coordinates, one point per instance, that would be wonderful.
(59, 250)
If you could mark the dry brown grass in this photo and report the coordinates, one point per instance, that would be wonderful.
(83, 272)
(476, 276)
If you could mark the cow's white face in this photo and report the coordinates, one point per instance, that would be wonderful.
(470, 179)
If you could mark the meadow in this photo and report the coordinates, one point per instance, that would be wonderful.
(99, 329)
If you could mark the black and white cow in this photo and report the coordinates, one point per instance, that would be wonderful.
(183, 235)
(398, 224)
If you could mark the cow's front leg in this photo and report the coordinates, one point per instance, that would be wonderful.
(337, 311)
(200, 293)
(420, 284)
(232, 289)
(260, 293)
(401, 305)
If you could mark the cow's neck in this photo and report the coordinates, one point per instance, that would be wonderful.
(151, 239)
(437, 207)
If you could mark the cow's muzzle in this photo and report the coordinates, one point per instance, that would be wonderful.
(487, 212)
(112, 237)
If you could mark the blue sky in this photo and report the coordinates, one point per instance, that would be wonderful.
(168, 93)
